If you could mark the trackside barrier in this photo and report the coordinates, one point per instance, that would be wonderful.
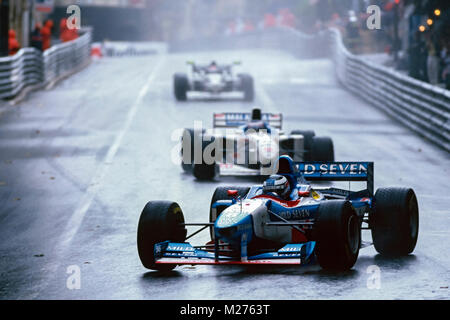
(420, 106)
(32, 69)
(20, 71)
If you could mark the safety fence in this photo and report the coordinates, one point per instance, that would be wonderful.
(32, 69)
(420, 106)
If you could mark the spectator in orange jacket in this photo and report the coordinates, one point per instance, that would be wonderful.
(13, 44)
(62, 29)
(46, 33)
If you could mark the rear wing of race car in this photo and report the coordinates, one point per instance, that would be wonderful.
(338, 171)
(237, 119)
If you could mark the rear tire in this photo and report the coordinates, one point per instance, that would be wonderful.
(221, 193)
(160, 221)
(338, 235)
(204, 171)
(308, 141)
(322, 149)
(395, 221)
(181, 86)
(187, 139)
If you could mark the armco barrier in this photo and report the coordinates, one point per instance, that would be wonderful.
(29, 68)
(421, 107)
(22, 70)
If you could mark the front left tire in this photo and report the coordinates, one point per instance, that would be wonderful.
(337, 234)
(159, 221)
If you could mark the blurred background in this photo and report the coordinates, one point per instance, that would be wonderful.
(411, 31)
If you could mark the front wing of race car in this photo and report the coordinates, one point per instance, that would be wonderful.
(186, 254)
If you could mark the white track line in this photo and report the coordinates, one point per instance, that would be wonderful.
(77, 217)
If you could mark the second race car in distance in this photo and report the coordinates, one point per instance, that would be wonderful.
(213, 78)
(248, 144)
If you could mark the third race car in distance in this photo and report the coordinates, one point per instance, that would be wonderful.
(244, 144)
(213, 78)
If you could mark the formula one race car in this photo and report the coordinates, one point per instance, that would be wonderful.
(261, 225)
(213, 78)
(248, 145)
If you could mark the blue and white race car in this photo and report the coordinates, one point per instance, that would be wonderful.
(286, 221)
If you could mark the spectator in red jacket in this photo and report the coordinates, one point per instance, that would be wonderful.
(46, 33)
(13, 44)
(269, 21)
(65, 34)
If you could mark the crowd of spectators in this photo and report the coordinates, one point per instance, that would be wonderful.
(42, 36)
(429, 58)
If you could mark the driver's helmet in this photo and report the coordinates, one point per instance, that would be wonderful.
(212, 66)
(256, 114)
(277, 184)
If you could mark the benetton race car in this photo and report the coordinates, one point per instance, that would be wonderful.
(248, 145)
(213, 78)
(251, 226)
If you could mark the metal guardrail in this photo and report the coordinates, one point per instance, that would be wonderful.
(30, 68)
(22, 70)
(420, 106)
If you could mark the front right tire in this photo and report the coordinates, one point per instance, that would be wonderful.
(394, 221)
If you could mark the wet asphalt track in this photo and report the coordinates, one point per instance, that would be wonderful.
(79, 162)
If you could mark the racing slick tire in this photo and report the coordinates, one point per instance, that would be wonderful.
(322, 149)
(337, 234)
(308, 141)
(221, 193)
(248, 87)
(181, 86)
(203, 170)
(160, 221)
(188, 137)
(394, 221)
